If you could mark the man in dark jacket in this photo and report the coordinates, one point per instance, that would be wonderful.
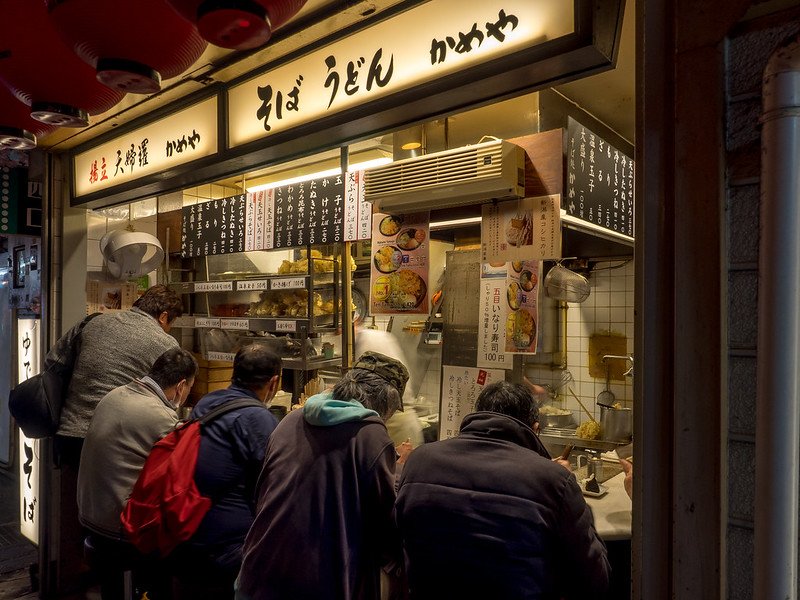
(231, 452)
(324, 524)
(487, 514)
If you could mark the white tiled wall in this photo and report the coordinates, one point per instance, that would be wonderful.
(609, 308)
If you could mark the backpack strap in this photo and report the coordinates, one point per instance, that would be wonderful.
(229, 406)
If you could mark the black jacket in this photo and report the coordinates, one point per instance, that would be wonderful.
(487, 514)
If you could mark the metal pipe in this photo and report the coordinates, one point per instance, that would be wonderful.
(777, 400)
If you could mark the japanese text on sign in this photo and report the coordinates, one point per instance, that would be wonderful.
(460, 389)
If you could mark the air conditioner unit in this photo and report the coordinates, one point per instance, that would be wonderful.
(468, 175)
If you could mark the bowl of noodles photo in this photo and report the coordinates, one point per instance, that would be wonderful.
(410, 238)
(390, 225)
(520, 330)
(407, 289)
(388, 259)
(528, 280)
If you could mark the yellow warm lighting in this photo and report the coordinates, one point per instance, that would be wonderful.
(411, 145)
(327, 173)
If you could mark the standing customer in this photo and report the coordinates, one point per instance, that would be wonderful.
(324, 525)
(116, 348)
(232, 449)
(487, 514)
(126, 424)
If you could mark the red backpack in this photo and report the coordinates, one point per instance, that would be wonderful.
(165, 507)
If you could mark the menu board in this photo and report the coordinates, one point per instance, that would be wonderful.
(399, 266)
(318, 211)
(522, 298)
(525, 229)
(213, 227)
(461, 387)
(492, 318)
(599, 181)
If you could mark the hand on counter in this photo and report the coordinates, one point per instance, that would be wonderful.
(627, 468)
(564, 463)
(403, 451)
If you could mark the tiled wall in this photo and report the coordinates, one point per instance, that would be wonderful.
(609, 308)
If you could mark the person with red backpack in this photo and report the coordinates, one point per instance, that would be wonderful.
(126, 424)
(231, 453)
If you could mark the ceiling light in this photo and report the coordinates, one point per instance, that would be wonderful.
(454, 223)
(376, 162)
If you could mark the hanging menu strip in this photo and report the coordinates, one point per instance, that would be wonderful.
(599, 181)
(213, 227)
(308, 212)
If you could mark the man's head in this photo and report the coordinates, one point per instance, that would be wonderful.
(174, 372)
(257, 369)
(376, 381)
(161, 303)
(512, 399)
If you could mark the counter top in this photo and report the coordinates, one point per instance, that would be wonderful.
(612, 512)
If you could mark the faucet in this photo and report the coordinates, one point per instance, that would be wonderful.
(629, 358)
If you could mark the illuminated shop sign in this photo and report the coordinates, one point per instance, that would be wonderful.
(29, 457)
(420, 45)
(183, 137)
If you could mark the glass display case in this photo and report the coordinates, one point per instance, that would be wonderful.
(288, 300)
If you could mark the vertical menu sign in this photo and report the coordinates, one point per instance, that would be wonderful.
(308, 212)
(213, 227)
(599, 181)
(28, 366)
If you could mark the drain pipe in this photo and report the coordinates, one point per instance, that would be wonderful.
(778, 396)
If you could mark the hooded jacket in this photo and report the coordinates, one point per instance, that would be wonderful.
(487, 514)
(323, 525)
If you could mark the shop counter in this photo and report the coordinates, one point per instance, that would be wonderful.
(612, 511)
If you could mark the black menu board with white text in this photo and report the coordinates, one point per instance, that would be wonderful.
(599, 187)
(213, 227)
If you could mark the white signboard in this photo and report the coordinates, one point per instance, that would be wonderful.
(29, 457)
(492, 318)
(214, 286)
(461, 387)
(525, 229)
(448, 36)
(174, 140)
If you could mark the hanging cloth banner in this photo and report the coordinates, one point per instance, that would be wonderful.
(400, 261)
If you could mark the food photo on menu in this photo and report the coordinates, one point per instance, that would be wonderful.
(522, 293)
(399, 269)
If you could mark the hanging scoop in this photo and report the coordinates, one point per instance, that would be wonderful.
(568, 286)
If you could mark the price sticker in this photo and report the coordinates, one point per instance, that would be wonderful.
(249, 286)
(288, 283)
(289, 326)
(226, 356)
(235, 323)
(214, 286)
(205, 322)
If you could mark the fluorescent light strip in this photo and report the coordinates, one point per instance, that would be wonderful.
(455, 222)
(376, 162)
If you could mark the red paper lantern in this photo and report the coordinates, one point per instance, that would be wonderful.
(132, 46)
(238, 24)
(18, 131)
(43, 72)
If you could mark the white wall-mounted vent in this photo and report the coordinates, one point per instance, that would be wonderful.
(468, 175)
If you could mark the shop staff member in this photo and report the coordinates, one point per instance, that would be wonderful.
(232, 449)
(324, 526)
(487, 514)
(126, 424)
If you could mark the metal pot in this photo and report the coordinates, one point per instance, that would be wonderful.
(616, 424)
(560, 421)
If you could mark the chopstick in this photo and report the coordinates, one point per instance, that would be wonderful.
(565, 454)
(591, 417)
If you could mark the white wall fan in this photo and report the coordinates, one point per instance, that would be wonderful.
(129, 254)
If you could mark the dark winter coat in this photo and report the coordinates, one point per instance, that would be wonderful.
(324, 524)
(487, 514)
(232, 449)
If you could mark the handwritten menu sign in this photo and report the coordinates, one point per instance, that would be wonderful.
(399, 268)
(599, 181)
(492, 318)
(213, 227)
(461, 387)
(318, 211)
(525, 229)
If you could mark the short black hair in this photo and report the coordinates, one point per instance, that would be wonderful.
(160, 298)
(512, 399)
(255, 365)
(370, 389)
(173, 366)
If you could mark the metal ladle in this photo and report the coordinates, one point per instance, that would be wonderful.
(606, 398)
